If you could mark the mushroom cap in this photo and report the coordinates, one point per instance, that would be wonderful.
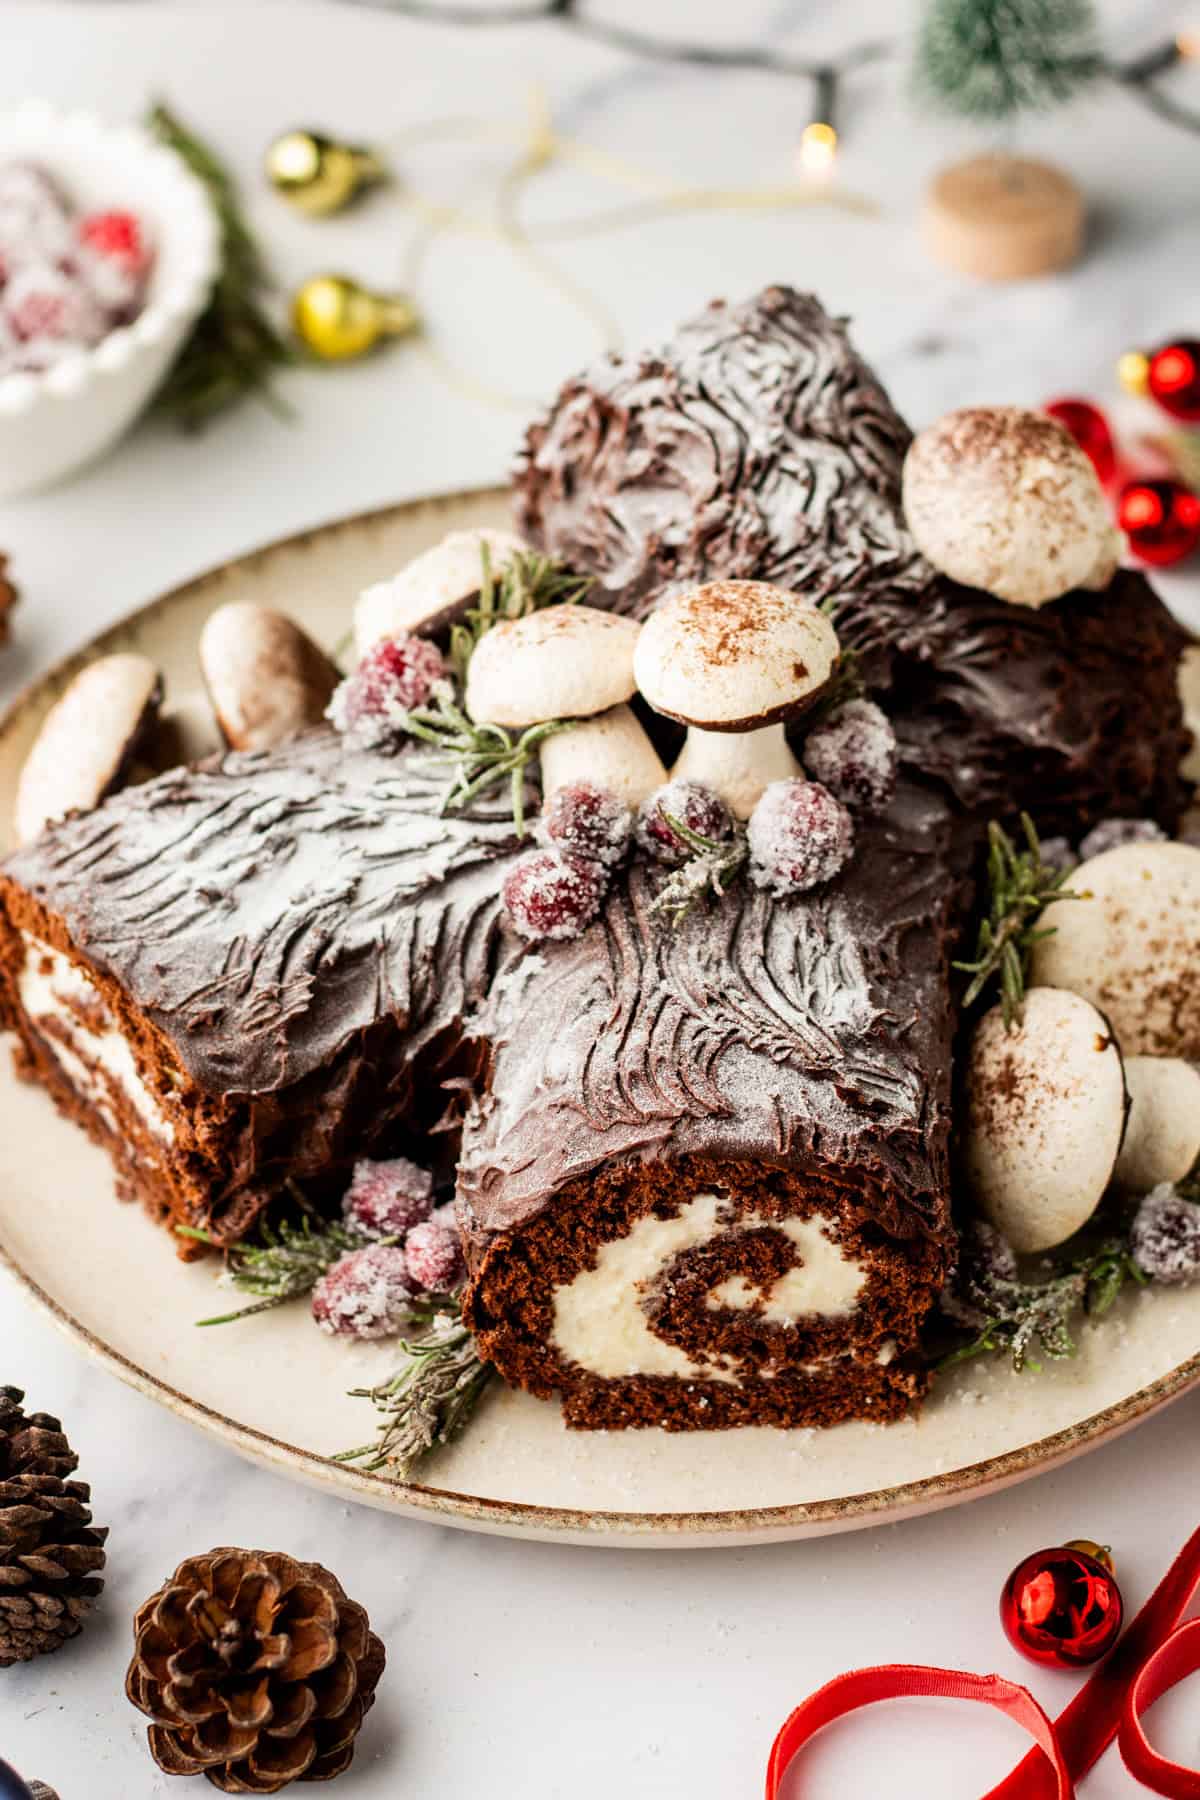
(435, 589)
(265, 676)
(86, 741)
(1162, 1138)
(733, 655)
(1045, 1115)
(1004, 499)
(1133, 946)
(564, 662)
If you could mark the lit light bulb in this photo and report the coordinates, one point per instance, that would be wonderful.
(818, 148)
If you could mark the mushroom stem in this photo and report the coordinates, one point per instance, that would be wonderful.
(737, 765)
(610, 750)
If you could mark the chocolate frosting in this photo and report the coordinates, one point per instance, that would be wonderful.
(758, 445)
(812, 1032)
(266, 907)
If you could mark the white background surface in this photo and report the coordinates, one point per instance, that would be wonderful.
(520, 1669)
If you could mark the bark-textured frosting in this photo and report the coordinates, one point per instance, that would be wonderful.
(265, 907)
(758, 445)
(807, 1032)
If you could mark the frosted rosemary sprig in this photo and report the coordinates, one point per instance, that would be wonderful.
(288, 1260)
(525, 585)
(482, 756)
(429, 1401)
(716, 863)
(1012, 1317)
(1019, 886)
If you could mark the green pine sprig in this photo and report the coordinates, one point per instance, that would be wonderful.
(429, 1401)
(234, 349)
(714, 865)
(286, 1262)
(1013, 1317)
(1019, 887)
(526, 584)
(991, 60)
(481, 756)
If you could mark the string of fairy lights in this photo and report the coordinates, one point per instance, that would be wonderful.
(1140, 77)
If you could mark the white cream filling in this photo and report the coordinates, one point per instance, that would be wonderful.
(599, 1321)
(50, 986)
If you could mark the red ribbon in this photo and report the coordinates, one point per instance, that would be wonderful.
(1155, 1653)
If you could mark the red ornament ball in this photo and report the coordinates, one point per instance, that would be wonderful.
(1091, 431)
(1161, 519)
(1062, 1607)
(1173, 378)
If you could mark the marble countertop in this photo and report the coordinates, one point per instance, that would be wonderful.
(517, 1668)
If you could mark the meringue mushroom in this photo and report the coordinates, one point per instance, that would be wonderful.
(1045, 1115)
(87, 741)
(1004, 499)
(266, 678)
(568, 662)
(734, 660)
(1162, 1137)
(432, 592)
(1189, 694)
(1132, 946)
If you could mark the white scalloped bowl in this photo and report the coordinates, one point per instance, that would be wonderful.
(54, 421)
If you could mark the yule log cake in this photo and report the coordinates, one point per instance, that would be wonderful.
(1022, 668)
(688, 1055)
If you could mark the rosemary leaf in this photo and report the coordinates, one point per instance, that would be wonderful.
(713, 866)
(428, 1402)
(525, 585)
(287, 1261)
(480, 756)
(1019, 887)
(234, 349)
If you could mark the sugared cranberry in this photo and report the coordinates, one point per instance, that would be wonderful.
(553, 896)
(1165, 1236)
(853, 753)
(394, 677)
(695, 806)
(1110, 834)
(799, 837)
(43, 302)
(366, 1294)
(588, 821)
(434, 1252)
(386, 1199)
(117, 235)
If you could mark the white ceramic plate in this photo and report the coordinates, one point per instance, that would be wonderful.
(275, 1389)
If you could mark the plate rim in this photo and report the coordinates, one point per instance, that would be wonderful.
(525, 1518)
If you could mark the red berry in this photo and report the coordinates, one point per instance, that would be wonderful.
(386, 1199)
(588, 821)
(366, 1294)
(42, 302)
(115, 234)
(396, 675)
(799, 837)
(552, 896)
(693, 805)
(434, 1252)
(853, 753)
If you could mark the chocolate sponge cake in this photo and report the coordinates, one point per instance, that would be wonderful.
(759, 445)
(705, 1182)
(252, 972)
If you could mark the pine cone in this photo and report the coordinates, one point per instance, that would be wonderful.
(254, 1670)
(50, 1553)
(8, 599)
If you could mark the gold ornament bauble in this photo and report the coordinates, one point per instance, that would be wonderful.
(338, 318)
(1133, 372)
(318, 174)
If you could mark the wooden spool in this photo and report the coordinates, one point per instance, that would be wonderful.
(1003, 218)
